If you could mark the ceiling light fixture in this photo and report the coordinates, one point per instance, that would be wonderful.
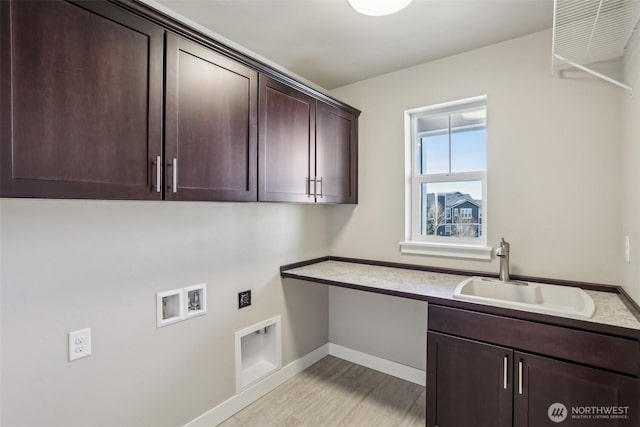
(378, 7)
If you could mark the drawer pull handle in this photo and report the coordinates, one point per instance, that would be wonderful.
(175, 175)
(309, 193)
(158, 175)
(504, 372)
(520, 377)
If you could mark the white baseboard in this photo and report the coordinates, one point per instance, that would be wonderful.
(395, 369)
(241, 400)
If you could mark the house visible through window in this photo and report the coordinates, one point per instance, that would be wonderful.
(448, 173)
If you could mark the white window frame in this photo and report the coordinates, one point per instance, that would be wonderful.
(415, 243)
(466, 213)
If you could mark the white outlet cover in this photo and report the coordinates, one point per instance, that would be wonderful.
(79, 344)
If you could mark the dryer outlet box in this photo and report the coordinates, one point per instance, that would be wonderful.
(244, 299)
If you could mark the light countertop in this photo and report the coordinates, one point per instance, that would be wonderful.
(437, 287)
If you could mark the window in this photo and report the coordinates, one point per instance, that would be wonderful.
(446, 179)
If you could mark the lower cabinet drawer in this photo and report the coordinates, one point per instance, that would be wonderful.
(588, 348)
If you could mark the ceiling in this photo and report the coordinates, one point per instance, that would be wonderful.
(329, 44)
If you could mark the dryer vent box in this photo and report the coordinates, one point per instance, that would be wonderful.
(258, 352)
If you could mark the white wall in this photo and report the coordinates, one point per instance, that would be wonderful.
(631, 196)
(68, 265)
(554, 177)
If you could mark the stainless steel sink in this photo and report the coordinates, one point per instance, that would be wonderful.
(536, 297)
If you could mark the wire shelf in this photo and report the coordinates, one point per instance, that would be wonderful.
(590, 31)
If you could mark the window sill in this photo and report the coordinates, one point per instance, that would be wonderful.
(446, 250)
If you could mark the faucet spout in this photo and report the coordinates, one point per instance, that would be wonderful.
(503, 253)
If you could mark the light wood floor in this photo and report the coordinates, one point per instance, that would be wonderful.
(334, 392)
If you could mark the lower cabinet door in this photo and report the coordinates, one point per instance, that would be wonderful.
(556, 393)
(469, 384)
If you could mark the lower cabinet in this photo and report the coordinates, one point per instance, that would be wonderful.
(471, 383)
(550, 392)
(467, 383)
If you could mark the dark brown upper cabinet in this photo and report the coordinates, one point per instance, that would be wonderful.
(336, 155)
(286, 143)
(308, 149)
(210, 125)
(99, 102)
(81, 103)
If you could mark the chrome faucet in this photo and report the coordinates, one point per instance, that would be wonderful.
(503, 253)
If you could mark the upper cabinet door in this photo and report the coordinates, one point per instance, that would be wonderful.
(286, 143)
(210, 125)
(81, 102)
(336, 155)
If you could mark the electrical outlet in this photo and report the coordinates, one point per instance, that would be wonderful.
(79, 344)
(244, 299)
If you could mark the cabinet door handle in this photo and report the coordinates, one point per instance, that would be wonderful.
(158, 173)
(309, 193)
(320, 182)
(175, 175)
(520, 377)
(505, 366)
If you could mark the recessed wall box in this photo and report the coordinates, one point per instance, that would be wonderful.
(195, 300)
(258, 352)
(169, 307)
